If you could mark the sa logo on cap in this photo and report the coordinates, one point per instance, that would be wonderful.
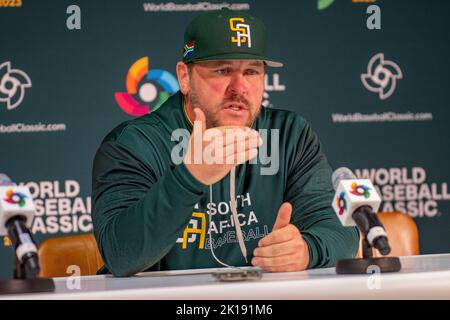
(242, 32)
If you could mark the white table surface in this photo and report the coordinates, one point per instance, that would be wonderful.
(421, 277)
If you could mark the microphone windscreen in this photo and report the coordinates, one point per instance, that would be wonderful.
(339, 174)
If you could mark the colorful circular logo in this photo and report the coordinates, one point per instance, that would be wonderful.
(360, 190)
(341, 203)
(158, 85)
(15, 198)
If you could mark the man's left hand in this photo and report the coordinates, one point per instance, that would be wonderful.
(284, 249)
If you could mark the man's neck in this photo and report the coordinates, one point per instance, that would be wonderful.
(188, 110)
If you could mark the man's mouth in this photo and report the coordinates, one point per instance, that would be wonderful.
(235, 106)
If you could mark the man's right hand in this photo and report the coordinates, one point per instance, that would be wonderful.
(214, 152)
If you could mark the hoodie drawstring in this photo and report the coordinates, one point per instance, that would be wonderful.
(237, 226)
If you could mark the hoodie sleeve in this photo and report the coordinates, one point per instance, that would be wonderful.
(139, 209)
(310, 191)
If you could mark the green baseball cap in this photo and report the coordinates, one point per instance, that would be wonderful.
(226, 35)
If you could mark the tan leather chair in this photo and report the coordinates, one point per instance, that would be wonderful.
(57, 254)
(402, 232)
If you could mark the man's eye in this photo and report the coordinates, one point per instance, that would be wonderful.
(223, 71)
(252, 72)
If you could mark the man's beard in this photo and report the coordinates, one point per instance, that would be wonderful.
(212, 117)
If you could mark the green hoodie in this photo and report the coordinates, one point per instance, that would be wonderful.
(152, 214)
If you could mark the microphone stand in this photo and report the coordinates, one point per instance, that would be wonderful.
(361, 266)
(25, 282)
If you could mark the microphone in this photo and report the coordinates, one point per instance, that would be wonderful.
(356, 203)
(16, 216)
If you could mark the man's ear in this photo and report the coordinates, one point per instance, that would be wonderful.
(183, 77)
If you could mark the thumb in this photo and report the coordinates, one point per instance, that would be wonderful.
(283, 216)
(199, 117)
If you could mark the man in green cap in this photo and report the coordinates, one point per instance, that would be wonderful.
(224, 201)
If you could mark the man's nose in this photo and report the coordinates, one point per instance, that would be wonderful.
(237, 85)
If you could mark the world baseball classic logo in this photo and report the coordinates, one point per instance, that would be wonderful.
(13, 83)
(381, 76)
